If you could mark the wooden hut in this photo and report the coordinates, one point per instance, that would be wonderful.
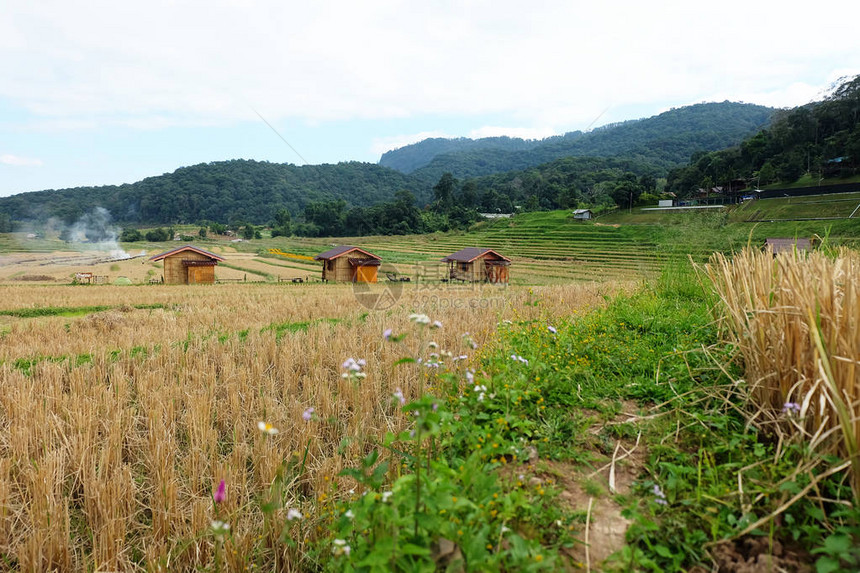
(583, 214)
(349, 264)
(188, 266)
(474, 264)
(780, 245)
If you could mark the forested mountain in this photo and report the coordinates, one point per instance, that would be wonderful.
(666, 140)
(821, 139)
(222, 192)
(411, 157)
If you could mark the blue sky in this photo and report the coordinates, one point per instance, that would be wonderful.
(103, 92)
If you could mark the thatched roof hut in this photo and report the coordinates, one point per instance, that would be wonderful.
(349, 264)
(474, 264)
(188, 265)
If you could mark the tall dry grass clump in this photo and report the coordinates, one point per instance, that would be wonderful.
(795, 319)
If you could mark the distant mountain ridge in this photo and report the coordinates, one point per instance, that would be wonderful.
(222, 191)
(666, 140)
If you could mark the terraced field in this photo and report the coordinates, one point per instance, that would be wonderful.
(834, 206)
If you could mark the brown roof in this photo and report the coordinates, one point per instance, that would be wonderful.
(469, 254)
(340, 251)
(780, 245)
(186, 248)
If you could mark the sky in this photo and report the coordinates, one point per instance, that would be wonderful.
(106, 92)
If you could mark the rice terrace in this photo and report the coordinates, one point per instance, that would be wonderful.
(626, 402)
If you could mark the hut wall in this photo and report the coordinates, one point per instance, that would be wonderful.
(176, 273)
(462, 271)
(340, 270)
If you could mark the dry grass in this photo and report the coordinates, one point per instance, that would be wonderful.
(110, 463)
(795, 318)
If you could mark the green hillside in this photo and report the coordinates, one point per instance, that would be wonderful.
(665, 141)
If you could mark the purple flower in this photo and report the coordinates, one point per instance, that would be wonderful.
(308, 414)
(386, 334)
(791, 408)
(398, 393)
(221, 493)
(552, 329)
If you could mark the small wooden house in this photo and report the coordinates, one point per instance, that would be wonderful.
(583, 214)
(781, 245)
(188, 265)
(349, 264)
(474, 264)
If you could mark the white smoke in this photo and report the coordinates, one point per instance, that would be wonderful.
(95, 230)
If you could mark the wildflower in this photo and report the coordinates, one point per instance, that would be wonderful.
(552, 329)
(461, 357)
(469, 341)
(340, 547)
(294, 514)
(519, 358)
(308, 414)
(386, 495)
(432, 344)
(436, 324)
(398, 393)
(419, 318)
(349, 514)
(791, 408)
(221, 493)
(267, 428)
(659, 496)
(470, 376)
(386, 334)
(354, 368)
(219, 528)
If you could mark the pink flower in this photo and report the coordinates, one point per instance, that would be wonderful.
(308, 415)
(221, 493)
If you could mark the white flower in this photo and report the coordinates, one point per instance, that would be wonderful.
(432, 344)
(349, 514)
(436, 324)
(340, 547)
(419, 318)
(219, 528)
(386, 495)
(294, 514)
(267, 428)
(552, 329)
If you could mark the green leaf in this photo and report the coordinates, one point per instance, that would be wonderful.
(838, 543)
(663, 551)
(406, 360)
(826, 565)
(412, 549)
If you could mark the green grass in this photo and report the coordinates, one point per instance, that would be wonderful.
(68, 311)
(809, 180)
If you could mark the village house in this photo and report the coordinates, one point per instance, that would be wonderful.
(583, 214)
(787, 245)
(474, 264)
(188, 265)
(349, 264)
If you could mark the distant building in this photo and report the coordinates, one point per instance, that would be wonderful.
(349, 264)
(474, 264)
(583, 214)
(188, 265)
(780, 245)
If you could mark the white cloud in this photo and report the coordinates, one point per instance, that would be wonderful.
(18, 161)
(558, 63)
